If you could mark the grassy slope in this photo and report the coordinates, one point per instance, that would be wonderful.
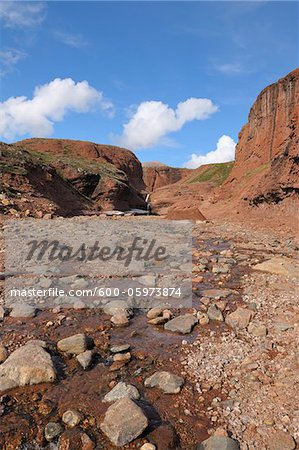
(81, 165)
(216, 173)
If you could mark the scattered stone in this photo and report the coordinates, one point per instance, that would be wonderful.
(120, 348)
(3, 353)
(123, 422)
(279, 266)
(147, 280)
(165, 437)
(166, 381)
(218, 443)
(181, 324)
(75, 439)
(216, 294)
(157, 321)
(117, 307)
(239, 319)
(2, 313)
(120, 320)
(44, 282)
(221, 304)
(29, 364)
(283, 326)
(154, 312)
(257, 330)
(148, 446)
(198, 279)
(203, 318)
(79, 304)
(227, 404)
(73, 345)
(116, 365)
(253, 306)
(71, 418)
(122, 357)
(22, 310)
(205, 301)
(85, 358)
(122, 390)
(220, 432)
(220, 268)
(214, 313)
(52, 431)
(167, 314)
(79, 283)
(280, 440)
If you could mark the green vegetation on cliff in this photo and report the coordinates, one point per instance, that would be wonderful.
(216, 173)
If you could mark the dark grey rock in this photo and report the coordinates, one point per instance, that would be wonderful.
(52, 431)
(214, 313)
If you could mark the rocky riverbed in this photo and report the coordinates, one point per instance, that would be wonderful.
(222, 374)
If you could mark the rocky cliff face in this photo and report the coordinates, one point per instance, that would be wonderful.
(31, 188)
(190, 191)
(110, 176)
(157, 176)
(267, 156)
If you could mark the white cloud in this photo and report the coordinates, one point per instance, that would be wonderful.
(50, 103)
(225, 151)
(72, 40)
(22, 14)
(153, 120)
(9, 58)
(230, 68)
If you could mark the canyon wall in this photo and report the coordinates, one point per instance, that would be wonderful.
(158, 176)
(267, 155)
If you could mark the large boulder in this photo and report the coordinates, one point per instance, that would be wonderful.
(185, 212)
(30, 364)
(124, 421)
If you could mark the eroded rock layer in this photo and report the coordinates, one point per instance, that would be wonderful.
(267, 154)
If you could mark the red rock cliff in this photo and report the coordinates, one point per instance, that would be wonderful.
(267, 152)
(110, 176)
(156, 177)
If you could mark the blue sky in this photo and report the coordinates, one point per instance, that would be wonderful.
(166, 79)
